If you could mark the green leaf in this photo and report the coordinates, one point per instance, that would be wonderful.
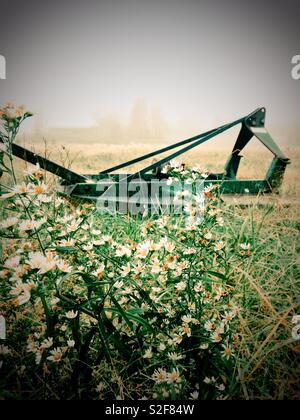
(28, 115)
(65, 249)
(121, 312)
(130, 316)
(216, 274)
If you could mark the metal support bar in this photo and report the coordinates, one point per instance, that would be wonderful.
(233, 162)
(232, 165)
(157, 152)
(275, 173)
(253, 119)
(264, 137)
(243, 139)
(48, 165)
(187, 148)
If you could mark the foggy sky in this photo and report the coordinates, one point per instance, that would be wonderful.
(73, 60)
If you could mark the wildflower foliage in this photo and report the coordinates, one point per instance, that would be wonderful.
(112, 306)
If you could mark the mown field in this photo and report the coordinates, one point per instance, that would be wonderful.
(263, 286)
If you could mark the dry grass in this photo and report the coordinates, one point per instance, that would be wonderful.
(268, 289)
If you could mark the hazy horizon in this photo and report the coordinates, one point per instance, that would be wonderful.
(195, 63)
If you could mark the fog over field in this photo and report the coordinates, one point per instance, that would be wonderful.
(138, 71)
(147, 125)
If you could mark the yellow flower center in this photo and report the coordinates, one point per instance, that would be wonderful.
(38, 189)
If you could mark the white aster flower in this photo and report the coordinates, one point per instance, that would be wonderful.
(125, 270)
(71, 343)
(174, 356)
(199, 287)
(43, 198)
(123, 251)
(227, 352)
(47, 343)
(208, 236)
(38, 261)
(23, 297)
(159, 376)
(9, 222)
(219, 246)
(181, 286)
(209, 381)
(88, 247)
(228, 317)
(118, 284)
(99, 272)
(209, 326)
(194, 395)
(71, 314)
(216, 338)
(4, 350)
(101, 387)
(162, 347)
(245, 246)
(64, 266)
(186, 319)
(204, 346)
(40, 189)
(173, 376)
(21, 188)
(143, 249)
(56, 355)
(148, 354)
(12, 263)
(67, 242)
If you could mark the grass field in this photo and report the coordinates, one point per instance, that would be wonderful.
(266, 287)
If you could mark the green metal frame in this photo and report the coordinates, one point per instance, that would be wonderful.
(253, 125)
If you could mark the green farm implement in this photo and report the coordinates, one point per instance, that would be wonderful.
(88, 187)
